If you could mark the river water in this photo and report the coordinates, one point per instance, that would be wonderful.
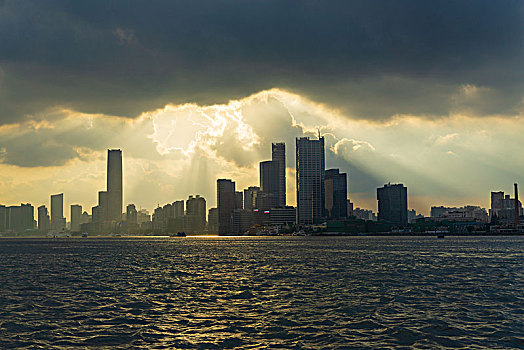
(271, 292)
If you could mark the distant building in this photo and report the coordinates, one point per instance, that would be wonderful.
(212, 221)
(20, 218)
(270, 182)
(283, 216)
(143, 216)
(350, 208)
(249, 197)
(114, 185)
(241, 220)
(226, 203)
(58, 221)
(131, 214)
(196, 212)
(76, 217)
(413, 216)
(239, 200)
(503, 209)
(468, 212)
(278, 155)
(44, 222)
(393, 204)
(364, 214)
(310, 176)
(178, 208)
(336, 192)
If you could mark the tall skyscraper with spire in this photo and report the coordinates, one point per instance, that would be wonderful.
(114, 185)
(310, 172)
(278, 154)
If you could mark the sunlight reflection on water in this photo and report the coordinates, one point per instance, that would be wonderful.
(287, 292)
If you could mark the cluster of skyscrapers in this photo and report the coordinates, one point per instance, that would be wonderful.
(321, 196)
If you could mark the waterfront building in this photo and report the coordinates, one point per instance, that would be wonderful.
(502, 209)
(283, 216)
(226, 203)
(114, 185)
(249, 197)
(20, 218)
(196, 213)
(58, 221)
(44, 222)
(3, 218)
(269, 182)
(212, 221)
(131, 214)
(278, 155)
(310, 176)
(336, 192)
(241, 220)
(393, 204)
(76, 217)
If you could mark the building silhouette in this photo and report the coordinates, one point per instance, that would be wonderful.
(227, 201)
(250, 196)
(196, 213)
(44, 222)
(20, 218)
(131, 214)
(310, 176)
(393, 204)
(76, 217)
(114, 185)
(336, 190)
(278, 155)
(269, 183)
(58, 222)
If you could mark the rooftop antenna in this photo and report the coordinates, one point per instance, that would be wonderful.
(318, 133)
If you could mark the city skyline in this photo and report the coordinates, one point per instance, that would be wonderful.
(402, 92)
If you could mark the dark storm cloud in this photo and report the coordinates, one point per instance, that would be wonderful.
(371, 59)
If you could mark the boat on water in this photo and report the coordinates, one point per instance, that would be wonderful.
(178, 234)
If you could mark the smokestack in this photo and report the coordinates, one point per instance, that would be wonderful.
(517, 213)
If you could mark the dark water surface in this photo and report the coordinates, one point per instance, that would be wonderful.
(303, 293)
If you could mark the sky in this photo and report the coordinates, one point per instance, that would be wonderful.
(428, 94)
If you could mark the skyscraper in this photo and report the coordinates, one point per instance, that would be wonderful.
(226, 203)
(57, 212)
(76, 217)
(43, 220)
(114, 185)
(196, 213)
(278, 154)
(336, 194)
(393, 204)
(269, 182)
(310, 172)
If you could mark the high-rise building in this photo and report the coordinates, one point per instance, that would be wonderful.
(212, 221)
(44, 222)
(20, 218)
(336, 190)
(249, 197)
(196, 213)
(278, 154)
(503, 209)
(269, 181)
(310, 173)
(76, 217)
(58, 221)
(131, 214)
(3, 218)
(178, 208)
(393, 204)
(226, 203)
(114, 185)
